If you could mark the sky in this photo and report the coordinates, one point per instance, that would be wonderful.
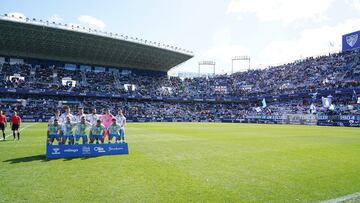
(270, 32)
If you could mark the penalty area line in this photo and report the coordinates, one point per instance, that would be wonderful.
(23, 128)
(343, 198)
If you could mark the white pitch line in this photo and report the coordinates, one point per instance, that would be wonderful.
(343, 198)
(19, 130)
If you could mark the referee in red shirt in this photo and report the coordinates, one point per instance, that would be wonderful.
(3, 124)
(15, 121)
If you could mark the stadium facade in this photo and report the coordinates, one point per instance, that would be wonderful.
(45, 65)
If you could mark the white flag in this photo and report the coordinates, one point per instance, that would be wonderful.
(258, 109)
(332, 107)
(264, 103)
(312, 108)
(326, 101)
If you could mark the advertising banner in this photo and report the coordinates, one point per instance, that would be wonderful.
(85, 150)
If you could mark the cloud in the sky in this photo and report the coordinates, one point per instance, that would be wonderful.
(310, 42)
(286, 11)
(92, 22)
(354, 4)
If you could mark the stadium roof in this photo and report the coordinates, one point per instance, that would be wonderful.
(31, 38)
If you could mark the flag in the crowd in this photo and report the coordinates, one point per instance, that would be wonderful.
(312, 108)
(354, 96)
(332, 107)
(258, 109)
(326, 101)
(264, 103)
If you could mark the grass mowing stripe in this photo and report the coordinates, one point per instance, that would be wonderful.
(23, 128)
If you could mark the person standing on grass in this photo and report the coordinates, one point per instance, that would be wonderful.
(66, 114)
(80, 130)
(79, 115)
(106, 120)
(96, 133)
(67, 131)
(54, 132)
(3, 124)
(93, 117)
(15, 122)
(121, 120)
(55, 117)
(114, 131)
(63, 119)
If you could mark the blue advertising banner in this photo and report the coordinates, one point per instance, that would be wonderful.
(351, 41)
(85, 150)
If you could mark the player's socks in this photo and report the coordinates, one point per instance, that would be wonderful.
(18, 135)
(14, 134)
(3, 136)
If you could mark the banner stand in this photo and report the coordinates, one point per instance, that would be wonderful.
(85, 150)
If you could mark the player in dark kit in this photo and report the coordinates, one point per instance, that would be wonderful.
(15, 121)
(3, 124)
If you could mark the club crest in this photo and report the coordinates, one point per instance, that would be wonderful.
(352, 39)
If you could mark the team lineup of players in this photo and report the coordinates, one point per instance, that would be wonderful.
(15, 122)
(61, 127)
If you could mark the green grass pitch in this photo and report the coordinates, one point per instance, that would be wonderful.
(190, 162)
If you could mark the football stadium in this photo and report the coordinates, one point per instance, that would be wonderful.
(89, 115)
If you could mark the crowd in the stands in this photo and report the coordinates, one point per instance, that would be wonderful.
(190, 111)
(334, 71)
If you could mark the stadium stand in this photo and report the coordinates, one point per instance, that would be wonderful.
(35, 87)
(156, 98)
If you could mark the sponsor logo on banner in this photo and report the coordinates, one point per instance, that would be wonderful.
(115, 149)
(99, 149)
(71, 150)
(85, 150)
(352, 39)
(55, 151)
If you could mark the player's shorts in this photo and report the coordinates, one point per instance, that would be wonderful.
(15, 127)
(70, 137)
(122, 133)
(2, 126)
(54, 136)
(99, 137)
(106, 132)
(111, 136)
(83, 137)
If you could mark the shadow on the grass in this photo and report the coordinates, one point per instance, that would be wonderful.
(27, 159)
(41, 158)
